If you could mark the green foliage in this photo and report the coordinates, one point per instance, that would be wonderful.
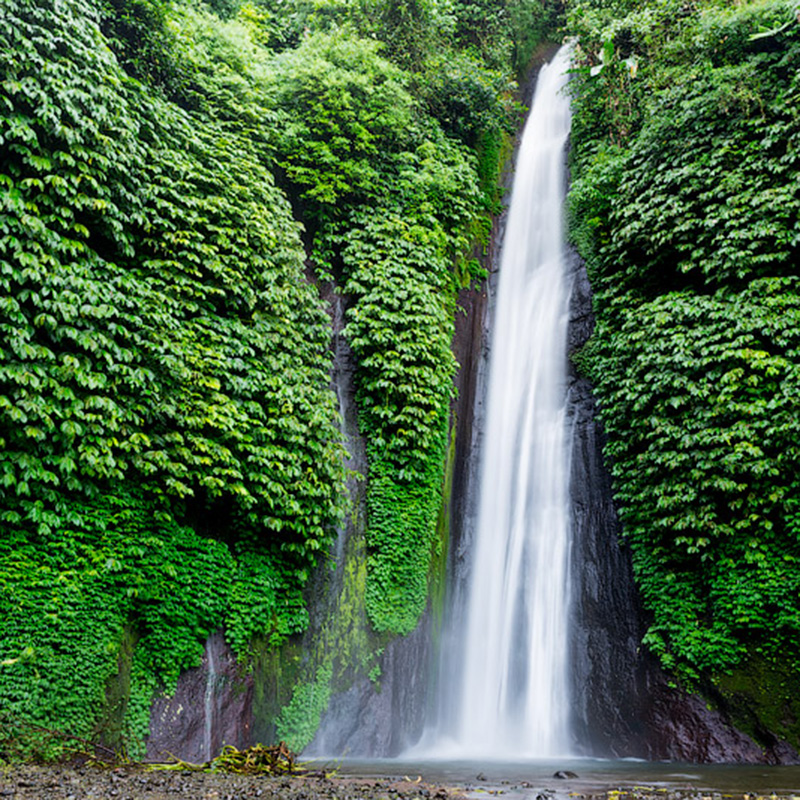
(468, 100)
(344, 106)
(410, 29)
(167, 334)
(170, 462)
(727, 35)
(163, 363)
(225, 64)
(704, 426)
(725, 150)
(400, 329)
(65, 597)
(275, 27)
(685, 205)
(590, 198)
(264, 601)
(143, 41)
(479, 28)
(402, 541)
(530, 22)
(298, 721)
(396, 257)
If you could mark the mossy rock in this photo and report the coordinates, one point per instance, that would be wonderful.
(761, 698)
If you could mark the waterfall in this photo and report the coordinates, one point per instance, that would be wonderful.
(217, 714)
(510, 692)
(208, 701)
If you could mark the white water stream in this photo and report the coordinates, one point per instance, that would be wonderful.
(208, 701)
(513, 696)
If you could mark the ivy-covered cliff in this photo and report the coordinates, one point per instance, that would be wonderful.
(180, 183)
(685, 204)
(197, 197)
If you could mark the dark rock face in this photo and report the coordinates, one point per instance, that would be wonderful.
(682, 727)
(678, 726)
(380, 720)
(605, 625)
(470, 346)
(211, 707)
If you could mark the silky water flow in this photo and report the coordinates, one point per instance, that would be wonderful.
(508, 688)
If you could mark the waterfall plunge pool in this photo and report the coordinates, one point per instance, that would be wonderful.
(520, 780)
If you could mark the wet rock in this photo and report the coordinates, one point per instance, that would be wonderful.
(211, 707)
(606, 625)
(563, 774)
(370, 720)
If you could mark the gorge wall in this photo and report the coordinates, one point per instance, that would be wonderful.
(171, 458)
(625, 705)
(376, 694)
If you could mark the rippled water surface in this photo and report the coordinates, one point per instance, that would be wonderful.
(528, 778)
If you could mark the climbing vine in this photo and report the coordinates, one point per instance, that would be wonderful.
(400, 329)
(170, 457)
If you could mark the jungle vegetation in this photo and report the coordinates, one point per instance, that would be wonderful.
(179, 180)
(685, 204)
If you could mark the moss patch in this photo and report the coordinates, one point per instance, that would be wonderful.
(761, 699)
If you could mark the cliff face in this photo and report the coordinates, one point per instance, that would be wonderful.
(379, 693)
(606, 625)
(383, 717)
(624, 704)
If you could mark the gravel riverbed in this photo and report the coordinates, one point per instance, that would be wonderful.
(137, 783)
(126, 783)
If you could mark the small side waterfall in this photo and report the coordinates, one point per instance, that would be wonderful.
(510, 693)
(208, 702)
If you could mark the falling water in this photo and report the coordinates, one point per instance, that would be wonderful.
(513, 698)
(208, 701)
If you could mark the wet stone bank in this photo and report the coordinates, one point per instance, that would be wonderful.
(136, 783)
